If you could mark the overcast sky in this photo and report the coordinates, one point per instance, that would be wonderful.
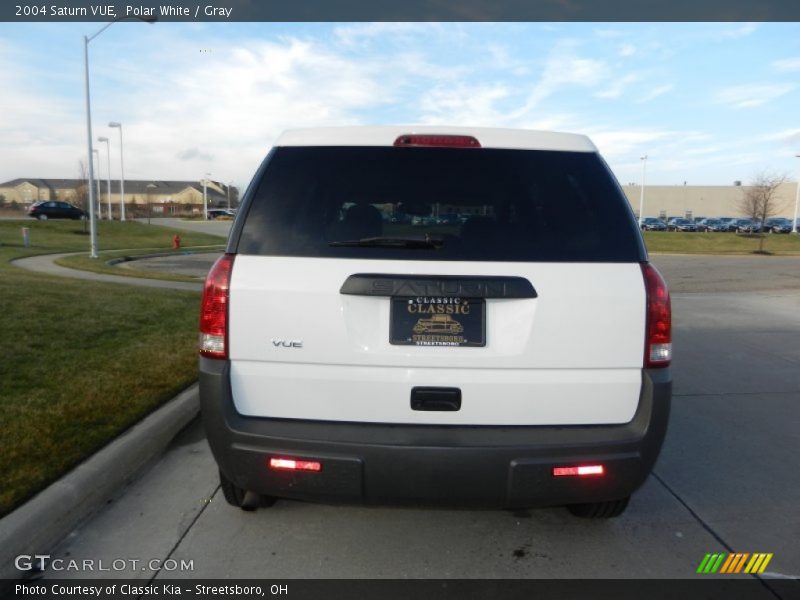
(708, 103)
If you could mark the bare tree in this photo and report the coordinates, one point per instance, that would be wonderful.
(82, 190)
(760, 201)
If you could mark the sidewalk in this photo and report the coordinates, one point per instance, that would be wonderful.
(46, 264)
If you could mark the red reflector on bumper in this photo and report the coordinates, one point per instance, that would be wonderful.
(290, 464)
(578, 471)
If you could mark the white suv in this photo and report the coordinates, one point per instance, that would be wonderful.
(435, 316)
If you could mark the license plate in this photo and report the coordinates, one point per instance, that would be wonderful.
(437, 321)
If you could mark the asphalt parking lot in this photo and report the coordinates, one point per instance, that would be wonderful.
(727, 479)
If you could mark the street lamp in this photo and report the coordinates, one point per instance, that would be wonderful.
(86, 40)
(96, 153)
(108, 183)
(205, 196)
(121, 172)
(150, 188)
(641, 192)
(796, 201)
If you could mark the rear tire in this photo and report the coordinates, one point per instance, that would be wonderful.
(241, 498)
(42, 217)
(599, 510)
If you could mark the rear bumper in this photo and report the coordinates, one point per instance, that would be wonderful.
(426, 464)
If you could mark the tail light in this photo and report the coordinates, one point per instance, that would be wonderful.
(292, 464)
(214, 309)
(579, 471)
(658, 328)
(442, 141)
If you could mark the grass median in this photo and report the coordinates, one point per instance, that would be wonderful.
(100, 265)
(84, 360)
(675, 242)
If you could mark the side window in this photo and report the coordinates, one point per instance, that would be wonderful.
(50, 205)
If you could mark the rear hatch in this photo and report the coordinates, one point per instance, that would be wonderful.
(364, 272)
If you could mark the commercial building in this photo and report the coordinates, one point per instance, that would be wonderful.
(155, 196)
(692, 201)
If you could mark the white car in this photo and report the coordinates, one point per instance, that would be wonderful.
(517, 356)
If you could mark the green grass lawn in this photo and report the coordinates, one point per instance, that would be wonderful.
(83, 361)
(83, 262)
(719, 243)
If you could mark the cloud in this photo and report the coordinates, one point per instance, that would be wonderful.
(609, 33)
(362, 34)
(464, 104)
(194, 153)
(228, 107)
(656, 92)
(787, 65)
(626, 50)
(563, 68)
(787, 136)
(617, 86)
(736, 32)
(620, 142)
(751, 95)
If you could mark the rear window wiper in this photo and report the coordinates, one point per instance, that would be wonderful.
(391, 242)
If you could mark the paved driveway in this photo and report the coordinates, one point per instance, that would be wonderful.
(212, 227)
(727, 480)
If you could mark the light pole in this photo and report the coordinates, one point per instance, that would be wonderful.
(641, 192)
(108, 183)
(796, 201)
(96, 152)
(205, 196)
(121, 172)
(86, 40)
(150, 188)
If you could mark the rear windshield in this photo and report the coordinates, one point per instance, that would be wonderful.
(438, 204)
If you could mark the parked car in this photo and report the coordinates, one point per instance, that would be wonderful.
(778, 225)
(711, 225)
(220, 213)
(728, 223)
(652, 224)
(681, 224)
(327, 373)
(747, 226)
(54, 209)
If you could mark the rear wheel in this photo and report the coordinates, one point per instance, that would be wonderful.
(599, 510)
(42, 217)
(241, 498)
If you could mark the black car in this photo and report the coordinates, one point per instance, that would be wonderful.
(778, 225)
(746, 226)
(711, 225)
(679, 224)
(54, 209)
(220, 213)
(652, 224)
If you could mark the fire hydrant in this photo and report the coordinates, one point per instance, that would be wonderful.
(176, 242)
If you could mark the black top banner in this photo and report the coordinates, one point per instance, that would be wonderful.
(405, 10)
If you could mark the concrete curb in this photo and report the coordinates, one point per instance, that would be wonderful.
(42, 522)
(126, 259)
